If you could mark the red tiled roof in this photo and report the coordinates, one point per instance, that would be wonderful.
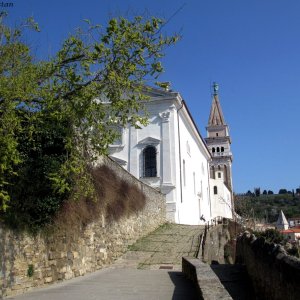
(291, 230)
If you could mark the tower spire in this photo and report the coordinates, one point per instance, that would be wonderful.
(216, 88)
(216, 115)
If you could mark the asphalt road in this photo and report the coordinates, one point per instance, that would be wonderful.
(121, 284)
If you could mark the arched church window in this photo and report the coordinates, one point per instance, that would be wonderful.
(213, 150)
(149, 159)
(218, 149)
(215, 190)
(222, 149)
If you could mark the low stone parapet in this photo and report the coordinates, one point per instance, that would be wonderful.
(275, 275)
(207, 282)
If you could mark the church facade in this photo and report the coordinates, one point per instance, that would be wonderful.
(170, 155)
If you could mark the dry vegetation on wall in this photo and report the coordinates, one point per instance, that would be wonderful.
(115, 198)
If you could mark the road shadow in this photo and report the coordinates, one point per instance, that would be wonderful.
(236, 281)
(183, 288)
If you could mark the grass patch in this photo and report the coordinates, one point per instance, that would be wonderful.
(142, 243)
(30, 270)
(143, 266)
(162, 227)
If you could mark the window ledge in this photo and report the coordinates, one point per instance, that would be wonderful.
(116, 146)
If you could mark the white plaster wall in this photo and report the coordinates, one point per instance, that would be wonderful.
(221, 203)
(195, 189)
(161, 130)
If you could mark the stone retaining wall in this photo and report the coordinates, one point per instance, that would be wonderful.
(275, 275)
(218, 242)
(28, 262)
(214, 241)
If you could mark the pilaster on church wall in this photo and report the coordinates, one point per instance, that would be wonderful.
(133, 152)
(167, 118)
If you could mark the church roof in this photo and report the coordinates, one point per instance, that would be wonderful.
(216, 115)
(282, 219)
(159, 93)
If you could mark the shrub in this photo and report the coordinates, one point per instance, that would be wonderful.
(114, 198)
(271, 235)
(119, 197)
(30, 270)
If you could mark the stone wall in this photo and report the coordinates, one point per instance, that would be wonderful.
(207, 282)
(28, 261)
(275, 275)
(215, 239)
(218, 242)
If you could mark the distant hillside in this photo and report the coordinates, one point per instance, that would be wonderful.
(267, 207)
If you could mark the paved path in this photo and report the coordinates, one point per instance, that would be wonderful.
(150, 270)
(119, 284)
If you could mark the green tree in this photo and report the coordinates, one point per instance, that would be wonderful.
(282, 191)
(249, 193)
(243, 206)
(271, 235)
(58, 116)
(257, 192)
(18, 80)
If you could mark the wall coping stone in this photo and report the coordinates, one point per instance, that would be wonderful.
(208, 284)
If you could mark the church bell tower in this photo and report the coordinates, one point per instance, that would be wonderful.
(218, 142)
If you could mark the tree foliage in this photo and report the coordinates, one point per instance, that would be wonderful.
(58, 115)
(282, 191)
(271, 236)
(257, 192)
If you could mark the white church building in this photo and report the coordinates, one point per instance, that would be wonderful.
(170, 155)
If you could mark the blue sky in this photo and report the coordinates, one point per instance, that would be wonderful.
(250, 47)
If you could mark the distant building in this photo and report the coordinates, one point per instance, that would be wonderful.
(294, 222)
(282, 223)
(292, 234)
